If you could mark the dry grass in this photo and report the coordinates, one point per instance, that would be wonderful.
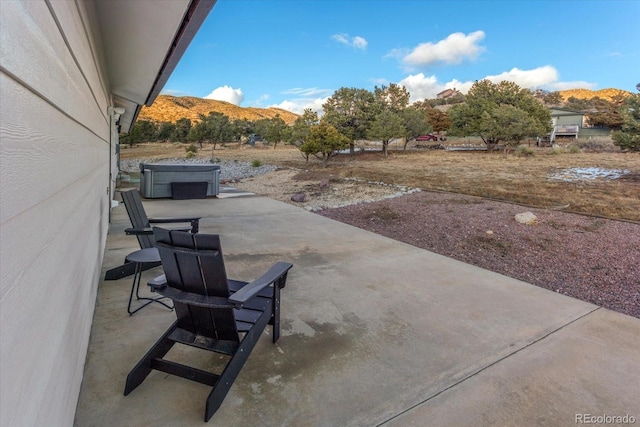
(523, 180)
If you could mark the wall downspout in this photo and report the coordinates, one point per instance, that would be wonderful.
(114, 145)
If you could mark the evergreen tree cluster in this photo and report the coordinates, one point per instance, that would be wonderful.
(499, 113)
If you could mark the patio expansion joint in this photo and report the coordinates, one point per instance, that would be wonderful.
(484, 368)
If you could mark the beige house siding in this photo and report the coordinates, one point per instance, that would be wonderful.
(56, 145)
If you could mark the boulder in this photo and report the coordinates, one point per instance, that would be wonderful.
(300, 197)
(527, 218)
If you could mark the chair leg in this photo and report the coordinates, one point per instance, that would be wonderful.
(143, 367)
(136, 281)
(136, 286)
(275, 317)
(234, 365)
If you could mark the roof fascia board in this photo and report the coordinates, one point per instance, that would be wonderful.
(193, 19)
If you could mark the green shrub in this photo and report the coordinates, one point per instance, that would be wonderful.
(524, 151)
(628, 137)
(191, 148)
(597, 145)
(574, 149)
(627, 140)
(190, 154)
(256, 163)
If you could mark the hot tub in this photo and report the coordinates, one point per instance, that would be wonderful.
(188, 180)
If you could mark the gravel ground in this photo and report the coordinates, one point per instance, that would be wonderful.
(592, 259)
(229, 170)
(336, 192)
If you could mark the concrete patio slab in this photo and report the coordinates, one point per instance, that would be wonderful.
(587, 369)
(374, 331)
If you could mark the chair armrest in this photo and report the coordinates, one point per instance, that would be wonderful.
(158, 282)
(276, 272)
(169, 220)
(194, 299)
(138, 231)
(195, 222)
(149, 230)
(248, 291)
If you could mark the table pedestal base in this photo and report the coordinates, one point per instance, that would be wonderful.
(141, 257)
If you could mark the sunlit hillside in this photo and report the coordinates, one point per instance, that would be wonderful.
(607, 94)
(167, 108)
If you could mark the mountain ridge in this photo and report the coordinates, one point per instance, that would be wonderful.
(607, 93)
(169, 108)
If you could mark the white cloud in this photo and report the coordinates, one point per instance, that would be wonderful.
(173, 92)
(341, 38)
(545, 77)
(259, 101)
(421, 87)
(452, 50)
(307, 92)
(300, 104)
(399, 53)
(228, 94)
(379, 81)
(536, 78)
(427, 87)
(303, 98)
(571, 85)
(356, 42)
(359, 42)
(463, 87)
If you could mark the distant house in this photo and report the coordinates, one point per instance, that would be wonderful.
(448, 93)
(573, 124)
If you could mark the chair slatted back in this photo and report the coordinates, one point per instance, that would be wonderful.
(138, 216)
(194, 263)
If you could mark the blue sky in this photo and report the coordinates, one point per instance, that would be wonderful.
(293, 54)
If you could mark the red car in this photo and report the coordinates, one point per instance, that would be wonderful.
(429, 137)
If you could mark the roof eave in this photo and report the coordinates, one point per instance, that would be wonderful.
(193, 19)
(143, 43)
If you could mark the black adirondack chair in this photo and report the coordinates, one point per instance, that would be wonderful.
(214, 313)
(141, 228)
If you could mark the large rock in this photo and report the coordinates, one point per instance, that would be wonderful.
(527, 218)
(300, 197)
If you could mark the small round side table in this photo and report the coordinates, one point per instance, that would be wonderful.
(141, 257)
